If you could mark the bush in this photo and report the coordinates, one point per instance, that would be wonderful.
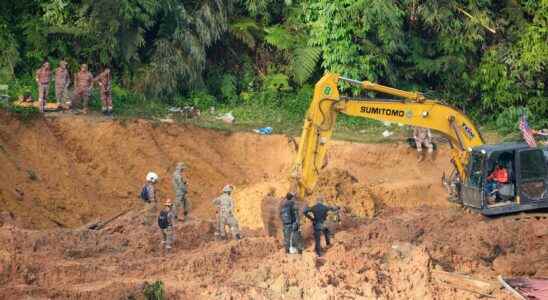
(154, 291)
(508, 121)
(202, 100)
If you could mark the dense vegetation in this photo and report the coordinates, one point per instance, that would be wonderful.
(487, 57)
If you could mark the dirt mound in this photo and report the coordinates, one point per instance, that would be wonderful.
(397, 231)
(342, 189)
(392, 256)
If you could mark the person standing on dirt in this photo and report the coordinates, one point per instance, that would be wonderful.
(181, 190)
(423, 136)
(318, 214)
(225, 214)
(149, 195)
(289, 215)
(82, 85)
(165, 222)
(43, 76)
(105, 84)
(62, 81)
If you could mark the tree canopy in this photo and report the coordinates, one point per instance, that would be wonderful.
(488, 57)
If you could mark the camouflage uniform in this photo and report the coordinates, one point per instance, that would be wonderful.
(225, 206)
(423, 136)
(62, 81)
(83, 82)
(42, 78)
(167, 233)
(181, 190)
(105, 83)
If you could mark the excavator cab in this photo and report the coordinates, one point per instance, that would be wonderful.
(525, 189)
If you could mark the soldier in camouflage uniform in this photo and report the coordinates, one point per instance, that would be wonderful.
(167, 217)
(62, 81)
(105, 83)
(82, 85)
(43, 76)
(180, 187)
(423, 136)
(225, 214)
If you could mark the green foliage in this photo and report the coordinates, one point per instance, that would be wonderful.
(280, 38)
(154, 291)
(9, 55)
(485, 56)
(357, 38)
(228, 88)
(24, 114)
(276, 82)
(304, 61)
(508, 120)
(246, 30)
(202, 100)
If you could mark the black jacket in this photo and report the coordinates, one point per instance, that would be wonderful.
(318, 214)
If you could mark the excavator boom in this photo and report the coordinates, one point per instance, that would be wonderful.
(411, 108)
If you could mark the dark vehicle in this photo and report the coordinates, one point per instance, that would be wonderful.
(527, 185)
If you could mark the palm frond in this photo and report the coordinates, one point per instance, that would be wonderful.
(304, 61)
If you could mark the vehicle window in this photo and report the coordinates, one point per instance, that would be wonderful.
(532, 164)
(476, 176)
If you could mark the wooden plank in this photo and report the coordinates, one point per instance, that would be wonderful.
(464, 282)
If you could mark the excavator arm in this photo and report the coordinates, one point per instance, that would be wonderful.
(411, 108)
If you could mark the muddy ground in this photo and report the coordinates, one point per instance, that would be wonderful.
(397, 232)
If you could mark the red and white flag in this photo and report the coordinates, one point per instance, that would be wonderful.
(527, 132)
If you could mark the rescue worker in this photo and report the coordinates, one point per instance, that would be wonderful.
(149, 195)
(105, 84)
(318, 214)
(225, 214)
(180, 187)
(289, 215)
(62, 81)
(165, 222)
(423, 136)
(494, 180)
(82, 86)
(43, 76)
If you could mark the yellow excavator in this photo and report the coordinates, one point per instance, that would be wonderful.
(473, 160)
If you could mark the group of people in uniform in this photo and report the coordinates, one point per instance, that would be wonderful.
(289, 213)
(83, 83)
(170, 213)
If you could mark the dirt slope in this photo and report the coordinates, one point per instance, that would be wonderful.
(397, 229)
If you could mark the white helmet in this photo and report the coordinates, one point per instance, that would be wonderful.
(227, 189)
(152, 177)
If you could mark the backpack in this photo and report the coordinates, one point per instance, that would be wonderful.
(144, 194)
(287, 214)
(163, 221)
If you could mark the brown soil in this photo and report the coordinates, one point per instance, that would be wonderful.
(61, 173)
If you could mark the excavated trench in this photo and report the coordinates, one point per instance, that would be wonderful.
(396, 233)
